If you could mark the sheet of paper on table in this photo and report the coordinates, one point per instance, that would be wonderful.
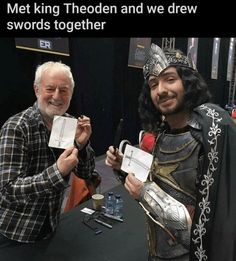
(63, 132)
(136, 161)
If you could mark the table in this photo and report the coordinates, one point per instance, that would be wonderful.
(73, 241)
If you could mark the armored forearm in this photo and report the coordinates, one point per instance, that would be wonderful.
(165, 211)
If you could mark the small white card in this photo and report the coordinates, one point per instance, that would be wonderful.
(87, 211)
(63, 132)
(137, 161)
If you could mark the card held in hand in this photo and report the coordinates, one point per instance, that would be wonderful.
(137, 161)
(63, 132)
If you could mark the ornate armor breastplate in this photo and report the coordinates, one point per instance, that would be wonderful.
(176, 164)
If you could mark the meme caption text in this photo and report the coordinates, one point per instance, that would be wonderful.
(71, 17)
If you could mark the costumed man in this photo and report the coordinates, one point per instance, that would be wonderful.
(189, 197)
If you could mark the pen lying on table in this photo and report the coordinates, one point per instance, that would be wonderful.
(112, 217)
(103, 223)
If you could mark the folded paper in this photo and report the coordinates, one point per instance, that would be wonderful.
(63, 132)
(136, 161)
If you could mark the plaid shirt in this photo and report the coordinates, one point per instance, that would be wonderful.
(31, 186)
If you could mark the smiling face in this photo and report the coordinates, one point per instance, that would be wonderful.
(53, 93)
(167, 91)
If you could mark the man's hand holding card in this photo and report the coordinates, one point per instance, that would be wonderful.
(137, 161)
(66, 130)
(83, 131)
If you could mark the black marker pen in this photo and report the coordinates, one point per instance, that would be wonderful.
(118, 135)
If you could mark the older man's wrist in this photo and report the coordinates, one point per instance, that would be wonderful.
(80, 146)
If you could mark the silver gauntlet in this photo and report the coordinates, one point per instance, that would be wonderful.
(166, 211)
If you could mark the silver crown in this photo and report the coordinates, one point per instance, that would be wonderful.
(159, 60)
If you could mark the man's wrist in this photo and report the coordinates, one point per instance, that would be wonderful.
(81, 146)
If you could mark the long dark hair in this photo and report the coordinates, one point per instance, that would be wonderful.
(196, 93)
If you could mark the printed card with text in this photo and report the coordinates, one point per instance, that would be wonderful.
(63, 132)
(137, 161)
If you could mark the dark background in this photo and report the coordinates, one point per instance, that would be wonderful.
(106, 89)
